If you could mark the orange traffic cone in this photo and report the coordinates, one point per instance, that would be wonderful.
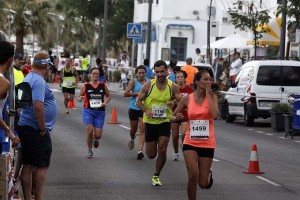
(253, 163)
(71, 104)
(114, 118)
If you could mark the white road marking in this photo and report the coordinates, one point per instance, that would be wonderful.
(283, 138)
(259, 132)
(270, 134)
(124, 127)
(298, 141)
(55, 90)
(250, 129)
(269, 181)
(216, 160)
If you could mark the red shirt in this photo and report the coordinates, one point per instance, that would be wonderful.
(184, 91)
(26, 69)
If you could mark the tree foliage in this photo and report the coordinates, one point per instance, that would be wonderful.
(246, 16)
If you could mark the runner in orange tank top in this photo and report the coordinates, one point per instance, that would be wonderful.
(199, 142)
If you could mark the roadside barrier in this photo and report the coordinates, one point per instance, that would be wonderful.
(253, 163)
(114, 118)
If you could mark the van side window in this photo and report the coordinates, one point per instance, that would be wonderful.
(291, 76)
(268, 75)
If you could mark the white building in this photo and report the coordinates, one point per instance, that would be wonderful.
(180, 26)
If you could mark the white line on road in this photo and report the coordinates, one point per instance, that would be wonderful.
(216, 160)
(259, 132)
(268, 181)
(124, 127)
(270, 134)
(298, 141)
(283, 138)
(250, 129)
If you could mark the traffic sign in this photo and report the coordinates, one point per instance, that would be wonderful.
(134, 30)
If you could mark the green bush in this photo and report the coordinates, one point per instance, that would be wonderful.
(117, 76)
(282, 108)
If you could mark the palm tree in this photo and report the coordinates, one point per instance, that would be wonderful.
(30, 17)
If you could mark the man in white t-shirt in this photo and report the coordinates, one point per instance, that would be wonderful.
(235, 66)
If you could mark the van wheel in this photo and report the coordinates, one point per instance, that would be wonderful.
(248, 120)
(229, 118)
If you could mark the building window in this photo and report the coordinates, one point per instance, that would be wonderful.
(178, 48)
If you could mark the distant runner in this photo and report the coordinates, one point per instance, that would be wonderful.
(96, 96)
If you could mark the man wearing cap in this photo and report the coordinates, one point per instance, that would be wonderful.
(34, 128)
(18, 74)
(190, 70)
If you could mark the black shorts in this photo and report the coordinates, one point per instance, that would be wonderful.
(135, 114)
(68, 90)
(154, 131)
(36, 149)
(202, 152)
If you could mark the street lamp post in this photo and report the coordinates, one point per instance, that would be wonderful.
(57, 29)
(208, 35)
(148, 47)
(104, 29)
(283, 31)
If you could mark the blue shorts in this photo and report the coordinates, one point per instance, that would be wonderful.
(93, 117)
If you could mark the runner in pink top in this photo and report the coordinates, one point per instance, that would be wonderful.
(199, 142)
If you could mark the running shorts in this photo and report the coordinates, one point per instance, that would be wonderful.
(135, 114)
(202, 152)
(154, 131)
(93, 117)
(68, 90)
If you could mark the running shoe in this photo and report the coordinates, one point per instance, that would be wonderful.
(156, 181)
(96, 143)
(175, 156)
(131, 144)
(140, 155)
(67, 111)
(211, 180)
(90, 154)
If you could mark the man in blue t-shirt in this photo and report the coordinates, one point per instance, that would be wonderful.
(149, 73)
(34, 127)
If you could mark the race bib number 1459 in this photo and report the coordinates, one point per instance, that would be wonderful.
(199, 129)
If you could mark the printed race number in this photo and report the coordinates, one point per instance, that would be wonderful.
(95, 103)
(199, 129)
(159, 112)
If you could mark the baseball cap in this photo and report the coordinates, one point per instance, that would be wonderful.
(18, 56)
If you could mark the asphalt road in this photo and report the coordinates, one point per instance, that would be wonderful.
(114, 173)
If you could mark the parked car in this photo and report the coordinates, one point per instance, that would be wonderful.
(258, 86)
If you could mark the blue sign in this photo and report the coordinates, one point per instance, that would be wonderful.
(134, 30)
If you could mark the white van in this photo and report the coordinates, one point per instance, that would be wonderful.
(260, 84)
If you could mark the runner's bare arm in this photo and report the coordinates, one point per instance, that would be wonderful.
(81, 94)
(180, 107)
(127, 92)
(141, 96)
(213, 102)
(107, 97)
(176, 92)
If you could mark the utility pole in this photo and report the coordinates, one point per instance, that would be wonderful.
(208, 35)
(149, 30)
(104, 30)
(99, 40)
(283, 31)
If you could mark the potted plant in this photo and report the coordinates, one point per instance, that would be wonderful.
(277, 119)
